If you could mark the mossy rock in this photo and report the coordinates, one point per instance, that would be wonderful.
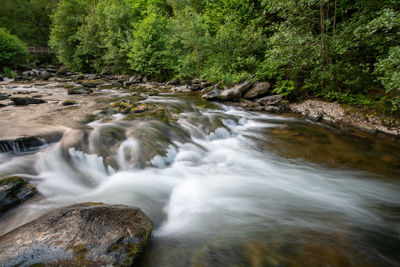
(13, 191)
(80, 90)
(69, 102)
(158, 114)
(123, 106)
(87, 234)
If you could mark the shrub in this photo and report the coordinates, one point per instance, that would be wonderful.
(12, 51)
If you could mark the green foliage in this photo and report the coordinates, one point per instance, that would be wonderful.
(341, 50)
(27, 19)
(12, 51)
(284, 87)
(150, 52)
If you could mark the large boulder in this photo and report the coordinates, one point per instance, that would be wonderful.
(24, 101)
(13, 191)
(271, 100)
(235, 92)
(87, 234)
(259, 89)
(213, 94)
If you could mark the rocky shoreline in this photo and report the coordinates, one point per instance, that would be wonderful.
(250, 96)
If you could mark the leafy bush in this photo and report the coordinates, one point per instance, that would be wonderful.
(12, 51)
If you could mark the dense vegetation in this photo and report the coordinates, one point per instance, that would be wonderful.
(12, 51)
(343, 50)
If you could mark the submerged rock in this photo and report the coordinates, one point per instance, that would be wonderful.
(21, 144)
(4, 96)
(68, 102)
(87, 234)
(13, 191)
(24, 101)
(79, 90)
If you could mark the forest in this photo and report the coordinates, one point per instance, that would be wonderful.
(337, 50)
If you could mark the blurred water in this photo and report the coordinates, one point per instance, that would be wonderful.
(217, 194)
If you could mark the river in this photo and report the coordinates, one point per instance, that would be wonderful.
(223, 187)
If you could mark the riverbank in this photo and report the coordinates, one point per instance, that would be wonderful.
(250, 96)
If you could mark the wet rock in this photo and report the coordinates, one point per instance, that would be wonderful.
(1, 78)
(4, 96)
(44, 75)
(141, 108)
(273, 109)
(315, 116)
(174, 81)
(68, 102)
(259, 89)
(123, 106)
(21, 144)
(79, 90)
(212, 95)
(13, 191)
(89, 84)
(87, 234)
(235, 92)
(271, 100)
(24, 101)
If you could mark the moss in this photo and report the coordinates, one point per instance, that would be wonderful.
(68, 102)
(89, 118)
(158, 114)
(17, 181)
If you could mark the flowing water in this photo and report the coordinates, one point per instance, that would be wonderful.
(225, 187)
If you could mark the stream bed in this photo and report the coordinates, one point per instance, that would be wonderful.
(223, 186)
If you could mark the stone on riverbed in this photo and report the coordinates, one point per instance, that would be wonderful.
(21, 144)
(4, 96)
(13, 191)
(87, 234)
(79, 90)
(24, 101)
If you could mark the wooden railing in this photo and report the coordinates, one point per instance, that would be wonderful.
(40, 50)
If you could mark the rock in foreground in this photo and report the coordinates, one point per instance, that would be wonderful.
(87, 234)
(13, 191)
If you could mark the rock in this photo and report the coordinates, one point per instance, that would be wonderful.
(212, 95)
(174, 81)
(205, 85)
(196, 81)
(315, 116)
(235, 92)
(194, 87)
(273, 109)
(123, 106)
(24, 101)
(87, 234)
(1, 78)
(89, 85)
(21, 144)
(258, 90)
(4, 96)
(271, 100)
(13, 191)
(44, 75)
(141, 108)
(180, 89)
(79, 90)
(68, 102)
